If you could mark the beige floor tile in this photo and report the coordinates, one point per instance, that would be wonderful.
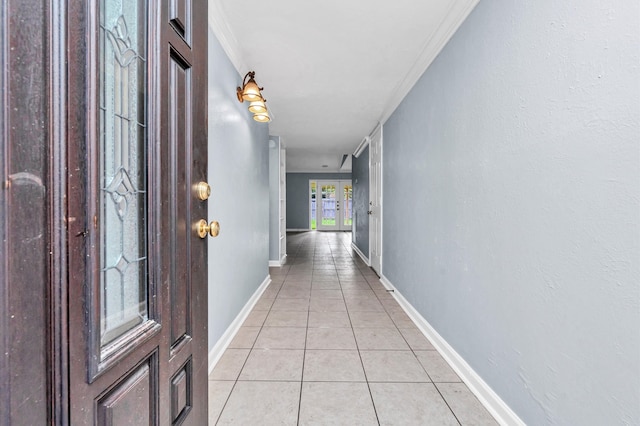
(336, 404)
(465, 405)
(327, 305)
(218, 394)
(263, 304)
(273, 364)
(255, 319)
(379, 339)
(287, 319)
(322, 276)
(271, 292)
(404, 323)
(358, 294)
(262, 403)
(332, 366)
(294, 292)
(410, 404)
(437, 367)
(324, 267)
(416, 340)
(291, 305)
(354, 285)
(281, 338)
(392, 366)
(330, 338)
(325, 285)
(364, 305)
(244, 338)
(371, 319)
(328, 319)
(229, 365)
(326, 294)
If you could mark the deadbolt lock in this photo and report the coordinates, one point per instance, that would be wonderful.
(203, 228)
(203, 191)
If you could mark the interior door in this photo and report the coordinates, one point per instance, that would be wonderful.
(137, 266)
(375, 200)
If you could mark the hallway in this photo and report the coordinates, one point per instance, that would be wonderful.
(326, 344)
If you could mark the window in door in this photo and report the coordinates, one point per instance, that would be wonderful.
(312, 194)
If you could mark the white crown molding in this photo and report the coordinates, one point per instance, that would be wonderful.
(363, 145)
(458, 12)
(218, 23)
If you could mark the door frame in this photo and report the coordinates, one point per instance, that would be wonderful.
(340, 226)
(33, 211)
(376, 200)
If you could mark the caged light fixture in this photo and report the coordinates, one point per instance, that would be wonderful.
(252, 93)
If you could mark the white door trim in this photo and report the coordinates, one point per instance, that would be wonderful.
(375, 199)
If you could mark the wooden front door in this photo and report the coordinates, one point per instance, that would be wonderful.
(137, 148)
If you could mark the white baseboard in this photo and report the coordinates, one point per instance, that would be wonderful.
(298, 230)
(362, 256)
(491, 401)
(221, 345)
(278, 263)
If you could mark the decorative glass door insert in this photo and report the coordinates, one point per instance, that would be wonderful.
(347, 205)
(123, 176)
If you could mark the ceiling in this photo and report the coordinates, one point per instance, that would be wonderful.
(332, 70)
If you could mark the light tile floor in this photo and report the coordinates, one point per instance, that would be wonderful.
(327, 345)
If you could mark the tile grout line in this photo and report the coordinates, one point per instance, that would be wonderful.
(364, 371)
(235, 382)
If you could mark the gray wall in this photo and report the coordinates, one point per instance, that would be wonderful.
(274, 198)
(298, 196)
(360, 178)
(511, 205)
(238, 174)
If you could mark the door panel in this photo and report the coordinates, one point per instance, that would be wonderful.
(138, 272)
(27, 266)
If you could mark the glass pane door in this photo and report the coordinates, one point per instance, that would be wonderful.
(346, 205)
(327, 211)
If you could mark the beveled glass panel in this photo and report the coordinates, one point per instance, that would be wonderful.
(123, 181)
(347, 208)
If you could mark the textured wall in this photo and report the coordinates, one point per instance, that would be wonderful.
(360, 177)
(298, 196)
(238, 174)
(512, 204)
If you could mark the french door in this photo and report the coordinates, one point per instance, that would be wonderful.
(137, 161)
(335, 203)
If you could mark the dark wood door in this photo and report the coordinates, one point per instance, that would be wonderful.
(137, 148)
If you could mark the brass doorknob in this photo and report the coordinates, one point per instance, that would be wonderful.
(212, 228)
(203, 191)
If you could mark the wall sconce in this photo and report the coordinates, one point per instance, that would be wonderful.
(252, 93)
